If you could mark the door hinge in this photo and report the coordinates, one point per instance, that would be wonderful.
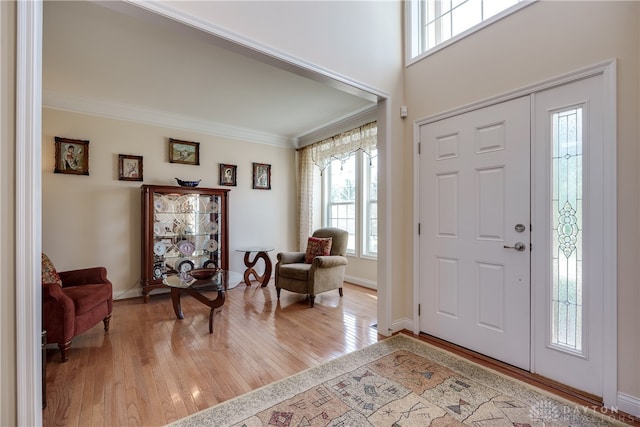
(418, 310)
(418, 229)
(419, 147)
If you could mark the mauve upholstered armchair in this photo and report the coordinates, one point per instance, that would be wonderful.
(73, 302)
(323, 273)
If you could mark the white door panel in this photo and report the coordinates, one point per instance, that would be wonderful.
(474, 189)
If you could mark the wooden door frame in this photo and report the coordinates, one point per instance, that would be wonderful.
(610, 341)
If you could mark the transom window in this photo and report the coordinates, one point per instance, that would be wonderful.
(436, 23)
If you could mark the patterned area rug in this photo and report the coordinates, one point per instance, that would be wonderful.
(399, 381)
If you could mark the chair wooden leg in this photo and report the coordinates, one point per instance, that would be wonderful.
(312, 299)
(340, 290)
(106, 322)
(64, 350)
(278, 292)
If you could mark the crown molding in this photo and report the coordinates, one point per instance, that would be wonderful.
(352, 121)
(58, 101)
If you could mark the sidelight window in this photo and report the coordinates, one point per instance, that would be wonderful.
(567, 209)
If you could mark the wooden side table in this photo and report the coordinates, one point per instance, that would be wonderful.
(261, 253)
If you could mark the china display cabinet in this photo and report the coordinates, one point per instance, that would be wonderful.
(182, 228)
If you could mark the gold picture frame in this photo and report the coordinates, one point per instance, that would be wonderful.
(72, 156)
(184, 152)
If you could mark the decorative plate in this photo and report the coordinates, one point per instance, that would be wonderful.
(186, 247)
(214, 206)
(211, 228)
(158, 228)
(157, 272)
(186, 204)
(210, 245)
(159, 248)
(160, 204)
(184, 266)
(209, 264)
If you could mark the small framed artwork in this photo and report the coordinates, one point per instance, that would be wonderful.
(228, 174)
(130, 168)
(261, 176)
(72, 156)
(184, 152)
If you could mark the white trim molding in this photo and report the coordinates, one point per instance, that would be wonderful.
(365, 283)
(629, 404)
(366, 115)
(162, 119)
(28, 213)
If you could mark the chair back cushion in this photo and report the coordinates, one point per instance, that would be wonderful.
(339, 239)
(317, 246)
(49, 273)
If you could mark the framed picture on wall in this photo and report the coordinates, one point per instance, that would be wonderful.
(228, 174)
(72, 156)
(184, 152)
(261, 176)
(129, 168)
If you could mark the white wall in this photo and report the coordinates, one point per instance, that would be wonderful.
(541, 41)
(95, 220)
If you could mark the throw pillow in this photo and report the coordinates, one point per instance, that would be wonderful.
(49, 273)
(317, 246)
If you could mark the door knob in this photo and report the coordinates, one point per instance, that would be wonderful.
(519, 246)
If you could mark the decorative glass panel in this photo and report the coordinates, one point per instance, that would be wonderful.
(566, 299)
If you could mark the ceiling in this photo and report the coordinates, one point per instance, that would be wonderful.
(115, 59)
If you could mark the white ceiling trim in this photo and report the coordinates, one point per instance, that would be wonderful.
(363, 117)
(56, 100)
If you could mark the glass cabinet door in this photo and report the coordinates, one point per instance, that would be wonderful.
(186, 232)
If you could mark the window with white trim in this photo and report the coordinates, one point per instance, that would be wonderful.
(435, 23)
(350, 188)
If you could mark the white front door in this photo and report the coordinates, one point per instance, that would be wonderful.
(474, 209)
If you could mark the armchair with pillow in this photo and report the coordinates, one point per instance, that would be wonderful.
(321, 268)
(73, 302)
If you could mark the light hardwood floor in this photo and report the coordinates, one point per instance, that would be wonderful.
(151, 369)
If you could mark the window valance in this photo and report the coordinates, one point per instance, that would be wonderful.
(341, 146)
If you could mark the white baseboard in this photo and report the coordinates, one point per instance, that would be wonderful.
(130, 293)
(629, 404)
(361, 282)
(401, 324)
